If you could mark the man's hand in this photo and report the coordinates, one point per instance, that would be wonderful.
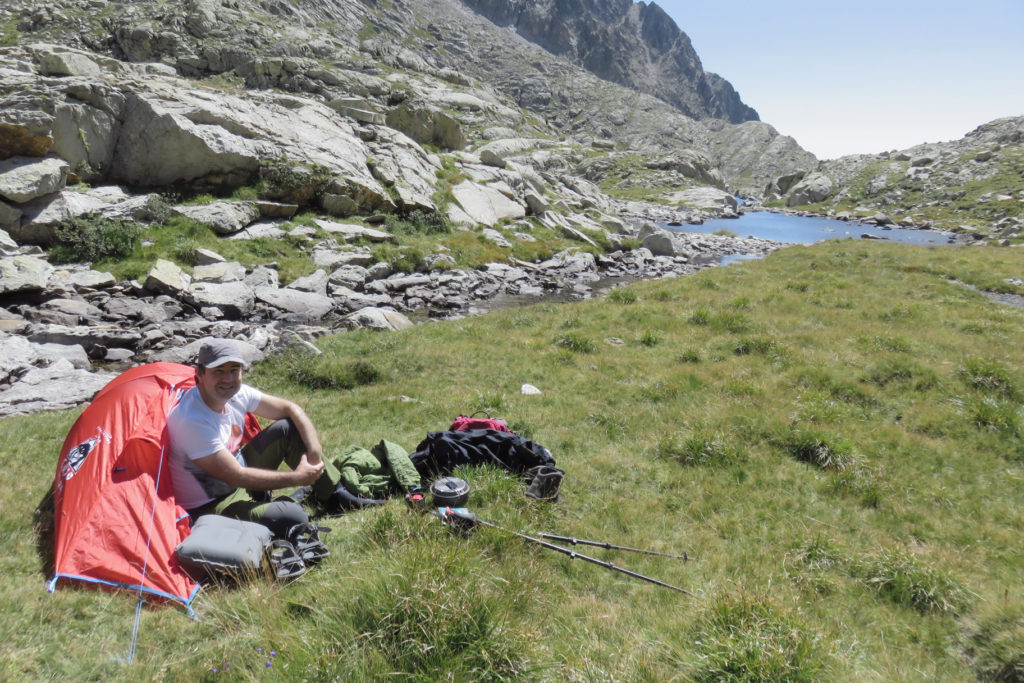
(225, 467)
(307, 472)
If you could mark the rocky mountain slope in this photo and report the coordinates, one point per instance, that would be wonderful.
(645, 91)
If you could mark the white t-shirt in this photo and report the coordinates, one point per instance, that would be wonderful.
(196, 431)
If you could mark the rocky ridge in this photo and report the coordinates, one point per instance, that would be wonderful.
(973, 186)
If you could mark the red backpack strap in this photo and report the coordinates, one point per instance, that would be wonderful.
(251, 428)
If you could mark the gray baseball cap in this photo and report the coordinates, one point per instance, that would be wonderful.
(215, 352)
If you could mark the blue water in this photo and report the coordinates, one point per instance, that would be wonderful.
(805, 230)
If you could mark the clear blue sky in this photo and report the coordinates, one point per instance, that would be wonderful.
(865, 76)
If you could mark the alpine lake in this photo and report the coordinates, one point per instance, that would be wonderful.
(792, 229)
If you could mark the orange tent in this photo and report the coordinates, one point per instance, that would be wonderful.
(116, 522)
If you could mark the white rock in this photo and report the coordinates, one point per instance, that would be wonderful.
(484, 204)
(25, 178)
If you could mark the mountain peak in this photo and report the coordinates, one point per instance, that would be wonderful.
(636, 45)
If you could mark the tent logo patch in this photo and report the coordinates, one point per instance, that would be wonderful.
(77, 456)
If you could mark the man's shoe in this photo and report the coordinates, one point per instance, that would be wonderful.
(306, 539)
(544, 482)
(342, 500)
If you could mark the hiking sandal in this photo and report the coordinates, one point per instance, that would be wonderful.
(306, 540)
(544, 482)
(285, 561)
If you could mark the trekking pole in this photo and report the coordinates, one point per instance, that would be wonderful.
(463, 520)
(610, 546)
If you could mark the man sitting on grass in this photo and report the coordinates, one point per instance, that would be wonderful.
(212, 472)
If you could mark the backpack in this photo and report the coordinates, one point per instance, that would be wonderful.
(464, 422)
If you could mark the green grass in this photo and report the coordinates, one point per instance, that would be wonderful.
(841, 458)
(178, 238)
(9, 33)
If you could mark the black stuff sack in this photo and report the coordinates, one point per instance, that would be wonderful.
(441, 452)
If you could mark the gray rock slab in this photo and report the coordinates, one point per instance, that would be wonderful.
(266, 229)
(166, 277)
(315, 282)
(398, 283)
(349, 276)
(148, 208)
(660, 243)
(302, 232)
(377, 319)
(348, 301)
(85, 336)
(136, 309)
(219, 272)
(23, 274)
(206, 257)
(77, 307)
(55, 387)
(67, 63)
(331, 258)
(568, 262)
(709, 198)
(118, 355)
(263, 276)
(25, 178)
(296, 305)
(276, 209)
(225, 218)
(351, 232)
(496, 237)
(485, 205)
(814, 188)
(16, 354)
(86, 279)
(236, 299)
(73, 353)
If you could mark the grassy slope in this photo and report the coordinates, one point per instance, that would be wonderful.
(833, 432)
